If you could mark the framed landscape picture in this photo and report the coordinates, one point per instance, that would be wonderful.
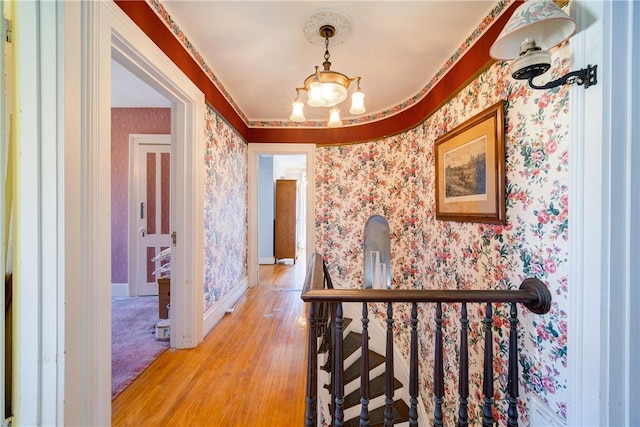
(470, 181)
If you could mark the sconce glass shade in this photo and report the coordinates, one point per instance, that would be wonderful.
(539, 21)
(297, 114)
(334, 118)
(357, 102)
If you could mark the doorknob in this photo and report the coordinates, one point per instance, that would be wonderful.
(142, 231)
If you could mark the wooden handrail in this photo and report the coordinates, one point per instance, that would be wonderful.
(319, 292)
(533, 294)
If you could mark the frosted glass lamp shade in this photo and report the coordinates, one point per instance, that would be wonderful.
(357, 102)
(333, 93)
(315, 98)
(334, 118)
(297, 113)
(540, 21)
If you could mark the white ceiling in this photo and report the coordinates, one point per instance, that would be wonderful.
(258, 50)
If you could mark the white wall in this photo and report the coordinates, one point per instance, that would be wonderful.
(266, 199)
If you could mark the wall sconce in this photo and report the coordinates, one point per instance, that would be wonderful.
(534, 28)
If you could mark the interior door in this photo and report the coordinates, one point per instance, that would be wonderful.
(153, 208)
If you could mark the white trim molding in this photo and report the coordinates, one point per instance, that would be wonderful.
(604, 325)
(94, 33)
(586, 237)
(38, 345)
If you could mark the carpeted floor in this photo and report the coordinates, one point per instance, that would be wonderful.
(133, 339)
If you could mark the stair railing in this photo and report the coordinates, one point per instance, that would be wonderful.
(323, 300)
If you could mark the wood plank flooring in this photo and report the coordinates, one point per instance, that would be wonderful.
(249, 370)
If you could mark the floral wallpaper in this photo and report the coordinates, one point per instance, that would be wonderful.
(395, 177)
(225, 209)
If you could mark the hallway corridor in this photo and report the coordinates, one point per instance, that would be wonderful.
(249, 370)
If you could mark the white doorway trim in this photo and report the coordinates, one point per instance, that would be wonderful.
(134, 197)
(258, 149)
(106, 31)
(131, 48)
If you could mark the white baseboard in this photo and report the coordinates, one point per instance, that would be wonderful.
(120, 290)
(266, 260)
(217, 312)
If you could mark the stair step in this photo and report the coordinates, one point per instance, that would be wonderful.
(376, 388)
(376, 416)
(352, 372)
(350, 344)
(324, 346)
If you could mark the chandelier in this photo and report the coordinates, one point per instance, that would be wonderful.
(326, 88)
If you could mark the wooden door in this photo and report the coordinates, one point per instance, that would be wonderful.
(153, 208)
(285, 236)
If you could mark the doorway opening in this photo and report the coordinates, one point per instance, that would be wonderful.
(140, 223)
(293, 161)
(272, 171)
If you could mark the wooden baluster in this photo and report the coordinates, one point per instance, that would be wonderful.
(487, 413)
(389, 370)
(413, 368)
(438, 371)
(512, 384)
(364, 369)
(311, 410)
(463, 381)
(338, 363)
(331, 355)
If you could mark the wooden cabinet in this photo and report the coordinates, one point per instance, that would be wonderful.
(285, 233)
(164, 297)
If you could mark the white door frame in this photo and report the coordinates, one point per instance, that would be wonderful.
(106, 31)
(604, 212)
(256, 150)
(134, 197)
(4, 151)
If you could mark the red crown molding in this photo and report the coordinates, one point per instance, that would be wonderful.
(475, 60)
(144, 17)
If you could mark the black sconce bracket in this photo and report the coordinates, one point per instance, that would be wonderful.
(586, 76)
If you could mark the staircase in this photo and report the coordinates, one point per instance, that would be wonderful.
(352, 360)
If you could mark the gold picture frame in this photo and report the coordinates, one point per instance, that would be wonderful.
(470, 168)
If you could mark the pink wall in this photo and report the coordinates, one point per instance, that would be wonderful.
(126, 121)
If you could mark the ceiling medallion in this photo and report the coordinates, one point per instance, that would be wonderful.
(337, 20)
(326, 88)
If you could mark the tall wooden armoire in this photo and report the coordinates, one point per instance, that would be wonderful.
(285, 234)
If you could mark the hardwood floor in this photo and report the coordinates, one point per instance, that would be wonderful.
(249, 370)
